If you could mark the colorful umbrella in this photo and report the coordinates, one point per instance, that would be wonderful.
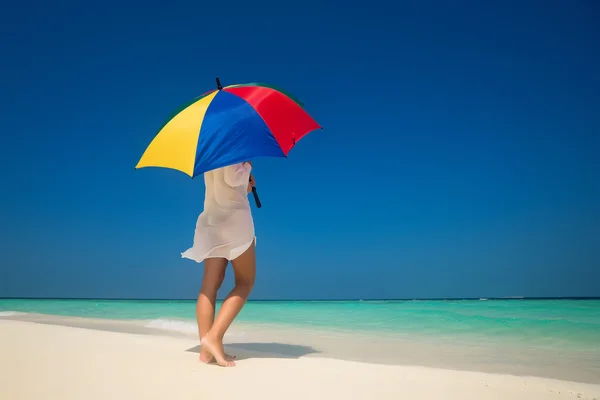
(229, 125)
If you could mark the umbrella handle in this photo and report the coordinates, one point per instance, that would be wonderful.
(256, 199)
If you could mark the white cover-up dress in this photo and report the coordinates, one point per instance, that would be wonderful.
(225, 228)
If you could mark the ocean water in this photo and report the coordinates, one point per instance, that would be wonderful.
(570, 325)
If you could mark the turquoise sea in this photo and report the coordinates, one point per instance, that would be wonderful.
(550, 324)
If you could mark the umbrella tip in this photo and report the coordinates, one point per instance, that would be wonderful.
(219, 84)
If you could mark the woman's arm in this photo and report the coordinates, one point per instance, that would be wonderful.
(237, 174)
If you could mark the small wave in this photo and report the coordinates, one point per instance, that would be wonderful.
(182, 326)
(9, 313)
(173, 325)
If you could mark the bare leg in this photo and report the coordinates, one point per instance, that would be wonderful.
(244, 268)
(214, 273)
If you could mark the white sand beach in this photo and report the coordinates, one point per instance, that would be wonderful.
(41, 361)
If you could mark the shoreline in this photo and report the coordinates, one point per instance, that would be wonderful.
(312, 300)
(566, 366)
(52, 361)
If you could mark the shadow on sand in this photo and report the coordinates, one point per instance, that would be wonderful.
(244, 351)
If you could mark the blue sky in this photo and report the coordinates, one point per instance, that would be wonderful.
(459, 155)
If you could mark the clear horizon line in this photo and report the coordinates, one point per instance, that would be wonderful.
(312, 300)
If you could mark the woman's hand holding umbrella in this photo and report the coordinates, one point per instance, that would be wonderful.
(252, 188)
(251, 184)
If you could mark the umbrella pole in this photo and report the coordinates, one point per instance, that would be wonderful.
(256, 199)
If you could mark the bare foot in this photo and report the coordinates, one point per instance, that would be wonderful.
(207, 358)
(215, 348)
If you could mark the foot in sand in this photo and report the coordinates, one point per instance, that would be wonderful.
(215, 348)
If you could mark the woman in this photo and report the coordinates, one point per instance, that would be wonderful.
(224, 232)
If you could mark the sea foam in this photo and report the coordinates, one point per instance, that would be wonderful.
(9, 313)
(182, 326)
(173, 325)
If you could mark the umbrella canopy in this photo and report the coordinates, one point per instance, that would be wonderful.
(229, 125)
